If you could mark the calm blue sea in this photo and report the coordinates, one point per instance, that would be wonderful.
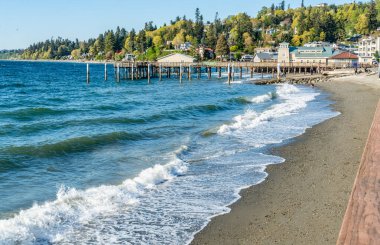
(132, 163)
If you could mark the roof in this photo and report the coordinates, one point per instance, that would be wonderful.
(312, 52)
(265, 56)
(177, 54)
(345, 56)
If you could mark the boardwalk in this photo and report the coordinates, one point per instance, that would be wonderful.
(361, 224)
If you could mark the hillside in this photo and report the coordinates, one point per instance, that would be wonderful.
(240, 33)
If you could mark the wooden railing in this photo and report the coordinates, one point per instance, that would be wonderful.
(361, 223)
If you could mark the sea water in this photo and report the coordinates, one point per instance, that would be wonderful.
(132, 163)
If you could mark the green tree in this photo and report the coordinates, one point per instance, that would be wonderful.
(130, 43)
(372, 16)
(141, 41)
(199, 26)
(109, 42)
(222, 46)
(362, 24)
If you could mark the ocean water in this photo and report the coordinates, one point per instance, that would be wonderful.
(132, 163)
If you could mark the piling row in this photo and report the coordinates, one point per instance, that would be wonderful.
(147, 70)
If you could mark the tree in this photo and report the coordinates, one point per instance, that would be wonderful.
(302, 4)
(322, 36)
(141, 41)
(377, 56)
(157, 41)
(130, 42)
(222, 46)
(199, 26)
(362, 24)
(248, 43)
(179, 38)
(109, 42)
(75, 53)
(372, 16)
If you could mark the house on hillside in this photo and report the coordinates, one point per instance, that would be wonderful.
(205, 52)
(176, 58)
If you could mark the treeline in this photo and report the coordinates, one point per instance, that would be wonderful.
(10, 54)
(238, 34)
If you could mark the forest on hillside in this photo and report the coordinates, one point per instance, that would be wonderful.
(239, 33)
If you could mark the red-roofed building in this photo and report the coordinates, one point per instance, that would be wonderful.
(344, 58)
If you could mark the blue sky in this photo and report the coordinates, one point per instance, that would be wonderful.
(23, 22)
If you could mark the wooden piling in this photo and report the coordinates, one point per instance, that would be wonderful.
(148, 73)
(180, 73)
(233, 72)
(105, 71)
(118, 72)
(160, 73)
(229, 73)
(88, 73)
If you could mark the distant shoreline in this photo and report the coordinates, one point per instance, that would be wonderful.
(60, 61)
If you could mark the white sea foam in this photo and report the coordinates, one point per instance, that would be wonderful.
(293, 100)
(263, 98)
(54, 220)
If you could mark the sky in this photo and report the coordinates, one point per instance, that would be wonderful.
(23, 22)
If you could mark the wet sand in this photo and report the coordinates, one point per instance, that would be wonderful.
(303, 200)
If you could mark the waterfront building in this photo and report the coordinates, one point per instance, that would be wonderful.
(344, 58)
(265, 57)
(368, 48)
(315, 55)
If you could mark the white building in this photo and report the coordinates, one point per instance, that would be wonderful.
(367, 49)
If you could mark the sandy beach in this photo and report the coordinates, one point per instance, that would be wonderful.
(304, 199)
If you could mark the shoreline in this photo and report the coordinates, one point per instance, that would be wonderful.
(61, 61)
(303, 200)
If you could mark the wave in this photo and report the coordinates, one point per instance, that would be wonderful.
(75, 145)
(6, 165)
(28, 113)
(293, 101)
(256, 100)
(12, 85)
(264, 98)
(75, 210)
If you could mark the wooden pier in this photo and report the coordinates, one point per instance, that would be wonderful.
(234, 70)
(226, 70)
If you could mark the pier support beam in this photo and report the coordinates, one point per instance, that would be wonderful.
(105, 71)
(88, 73)
(180, 73)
